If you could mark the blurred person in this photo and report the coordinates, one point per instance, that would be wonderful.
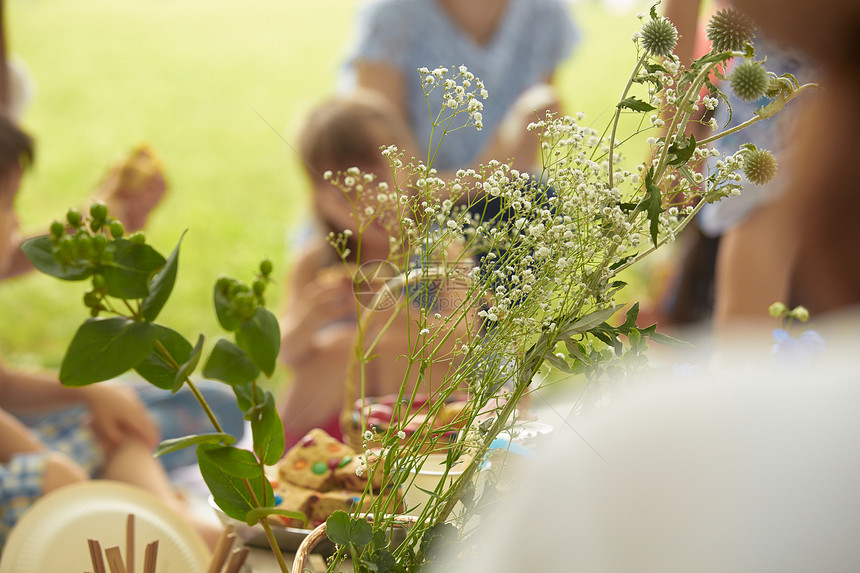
(51, 435)
(320, 324)
(513, 46)
(720, 277)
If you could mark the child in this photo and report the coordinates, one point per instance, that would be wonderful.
(77, 433)
(320, 325)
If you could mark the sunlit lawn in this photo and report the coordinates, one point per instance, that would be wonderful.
(215, 87)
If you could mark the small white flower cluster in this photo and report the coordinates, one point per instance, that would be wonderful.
(462, 92)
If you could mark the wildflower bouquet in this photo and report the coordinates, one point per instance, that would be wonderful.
(494, 276)
(505, 274)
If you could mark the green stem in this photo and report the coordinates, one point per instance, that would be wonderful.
(194, 390)
(617, 117)
(757, 118)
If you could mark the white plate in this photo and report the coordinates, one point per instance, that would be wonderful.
(52, 536)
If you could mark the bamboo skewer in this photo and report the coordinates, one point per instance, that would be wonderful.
(114, 559)
(96, 556)
(150, 557)
(222, 550)
(237, 558)
(129, 544)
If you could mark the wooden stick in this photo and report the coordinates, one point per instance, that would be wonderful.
(129, 544)
(96, 556)
(150, 557)
(222, 550)
(114, 559)
(237, 558)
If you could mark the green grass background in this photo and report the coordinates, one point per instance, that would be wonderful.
(215, 87)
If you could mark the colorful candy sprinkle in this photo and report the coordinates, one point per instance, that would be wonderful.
(308, 441)
(300, 464)
(278, 500)
(319, 468)
(344, 461)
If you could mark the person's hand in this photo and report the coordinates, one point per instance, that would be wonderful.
(133, 188)
(328, 299)
(118, 412)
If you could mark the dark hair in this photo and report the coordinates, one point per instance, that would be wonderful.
(16, 147)
(348, 131)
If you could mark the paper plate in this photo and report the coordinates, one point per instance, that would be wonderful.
(52, 536)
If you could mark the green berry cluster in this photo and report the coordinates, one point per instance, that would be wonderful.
(237, 302)
(86, 242)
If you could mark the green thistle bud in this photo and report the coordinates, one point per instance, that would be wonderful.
(730, 31)
(759, 166)
(659, 37)
(138, 238)
(800, 313)
(749, 80)
(777, 309)
(259, 287)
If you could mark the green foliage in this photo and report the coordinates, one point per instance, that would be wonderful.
(104, 348)
(131, 283)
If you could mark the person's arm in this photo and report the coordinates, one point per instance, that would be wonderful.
(684, 14)
(116, 411)
(316, 300)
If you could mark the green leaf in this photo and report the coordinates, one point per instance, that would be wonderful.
(362, 532)
(224, 309)
(557, 362)
(338, 528)
(661, 338)
(127, 276)
(154, 368)
(230, 493)
(229, 363)
(576, 350)
(632, 315)
(268, 432)
(161, 285)
(653, 203)
(345, 531)
(588, 322)
(635, 104)
(175, 444)
(187, 368)
(40, 252)
(255, 515)
(236, 462)
(244, 396)
(104, 348)
(682, 150)
(260, 337)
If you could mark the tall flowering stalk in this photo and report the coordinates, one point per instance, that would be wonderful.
(536, 287)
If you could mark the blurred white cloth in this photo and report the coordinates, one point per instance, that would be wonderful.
(748, 467)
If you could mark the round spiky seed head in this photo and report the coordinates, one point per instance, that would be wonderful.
(659, 37)
(759, 166)
(749, 80)
(730, 30)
